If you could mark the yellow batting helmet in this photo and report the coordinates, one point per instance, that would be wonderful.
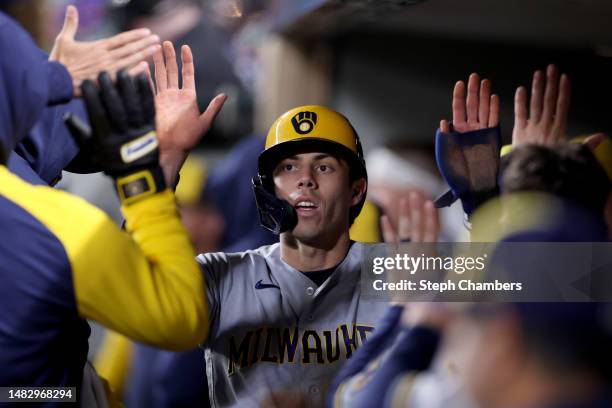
(311, 128)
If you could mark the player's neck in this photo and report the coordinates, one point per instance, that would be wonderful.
(313, 257)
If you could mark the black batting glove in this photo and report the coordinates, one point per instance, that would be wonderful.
(122, 140)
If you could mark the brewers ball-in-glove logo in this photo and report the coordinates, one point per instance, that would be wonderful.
(304, 122)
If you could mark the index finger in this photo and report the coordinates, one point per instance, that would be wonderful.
(416, 216)
(188, 69)
(404, 222)
(459, 103)
(387, 230)
(160, 70)
(563, 101)
(432, 222)
(171, 65)
(125, 38)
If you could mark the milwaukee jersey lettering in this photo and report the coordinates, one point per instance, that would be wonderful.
(273, 330)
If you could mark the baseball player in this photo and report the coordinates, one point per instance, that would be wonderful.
(285, 317)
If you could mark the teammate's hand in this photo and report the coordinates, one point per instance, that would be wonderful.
(468, 154)
(417, 222)
(548, 109)
(479, 110)
(123, 141)
(86, 59)
(180, 125)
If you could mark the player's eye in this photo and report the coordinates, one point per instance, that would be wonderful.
(288, 167)
(324, 168)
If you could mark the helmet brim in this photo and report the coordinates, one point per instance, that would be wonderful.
(271, 157)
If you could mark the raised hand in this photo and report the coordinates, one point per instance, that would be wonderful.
(417, 222)
(468, 154)
(180, 126)
(479, 110)
(547, 120)
(86, 59)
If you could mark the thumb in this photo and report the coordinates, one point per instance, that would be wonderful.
(594, 140)
(71, 22)
(211, 112)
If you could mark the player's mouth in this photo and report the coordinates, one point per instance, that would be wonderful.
(305, 207)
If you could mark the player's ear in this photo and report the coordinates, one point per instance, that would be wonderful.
(358, 189)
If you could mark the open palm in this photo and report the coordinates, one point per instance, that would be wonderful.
(478, 110)
(180, 126)
(86, 59)
(178, 123)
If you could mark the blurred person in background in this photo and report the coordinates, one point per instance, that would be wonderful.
(199, 214)
(535, 355)
(208, 28)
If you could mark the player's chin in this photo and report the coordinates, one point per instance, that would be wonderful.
(306, 231)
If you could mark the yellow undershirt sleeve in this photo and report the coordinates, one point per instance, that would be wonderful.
(113, 360)
(144, 284)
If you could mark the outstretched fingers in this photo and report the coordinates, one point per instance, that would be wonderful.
(484, 102)
(472, 103)
(188, 70)
(161, 78)
(537, 95)
(459, 109)
(493, 111)
(171, 65)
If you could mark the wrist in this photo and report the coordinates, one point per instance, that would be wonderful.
(171, 163)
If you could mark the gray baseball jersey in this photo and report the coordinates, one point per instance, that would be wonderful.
(273, 329)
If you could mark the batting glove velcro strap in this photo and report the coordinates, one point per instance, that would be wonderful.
(141, 184)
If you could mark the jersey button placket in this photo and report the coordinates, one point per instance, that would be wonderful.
(310, 291)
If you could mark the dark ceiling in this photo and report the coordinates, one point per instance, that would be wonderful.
(565, 23)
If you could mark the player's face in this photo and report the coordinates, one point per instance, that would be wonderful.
(317, 186)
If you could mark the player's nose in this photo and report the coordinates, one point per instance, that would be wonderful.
(306, 179)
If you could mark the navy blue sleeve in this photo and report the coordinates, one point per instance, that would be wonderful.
(378, 341)
(28, 83)
(180, 380)
(59, 83)
(49, 147)
(413, 351)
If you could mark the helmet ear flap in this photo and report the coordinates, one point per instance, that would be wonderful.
(275, 214)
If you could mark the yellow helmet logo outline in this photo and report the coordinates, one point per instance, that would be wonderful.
(304, 122)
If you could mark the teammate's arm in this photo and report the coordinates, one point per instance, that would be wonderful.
(467, 152)
(407, 336)
(147, 284)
